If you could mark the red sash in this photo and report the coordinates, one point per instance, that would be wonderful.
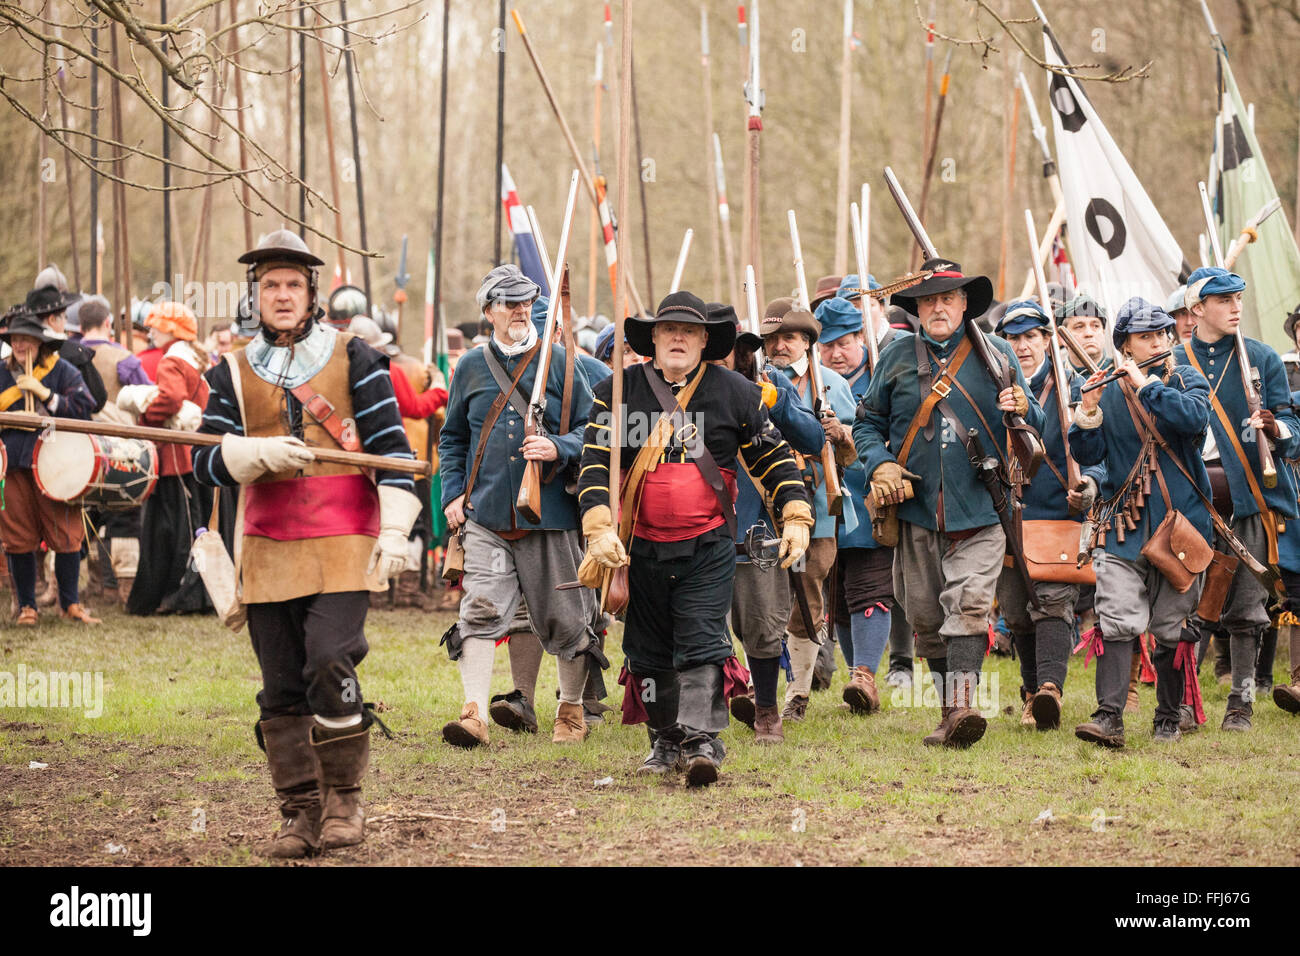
(318, 506)
(677, 503)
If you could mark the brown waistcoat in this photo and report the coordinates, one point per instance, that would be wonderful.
(271, 570)
(105, 362)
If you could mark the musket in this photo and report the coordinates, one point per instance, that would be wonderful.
(834, 496)
(400, 281)
(529, 501)
(864, 300)
(1025, 443)
(1250, 380)
(167, 436)
(987, 470)
(1073, 478)
(681, 261)
(601, 205)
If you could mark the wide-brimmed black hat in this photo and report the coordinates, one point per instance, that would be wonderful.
(48, 299)
(720, 312)
(24, 322)
(684, 307)
(947, 275)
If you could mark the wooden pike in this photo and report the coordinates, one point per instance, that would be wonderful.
(681, 261)
(1053, 178)
(724, 218)
(587, 179)
(594, 232)
(834, 496)
(934, 145)
(341, 264)
(167, 436)
(711, 173)
(122, 245)
(754, 127)
(846, 129)
(246, 193)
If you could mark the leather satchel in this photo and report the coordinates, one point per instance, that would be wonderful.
(1178, 551)
(1051, 552)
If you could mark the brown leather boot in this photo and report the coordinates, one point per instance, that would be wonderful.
(409, 593)
(936, 737)
(1135, 672)
(570, 728)
(742, 708)
(966, 725)
(469, 731)
(295, 776)
(344, 754)
(1046, 707)
(75, 612)
(796, 709)
(860, 693)
(767, 725)
(124, 586)
(1287, 696)
(1027, 711)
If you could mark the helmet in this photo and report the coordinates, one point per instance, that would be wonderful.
(346, 302)
(51, 275)
(277, 249)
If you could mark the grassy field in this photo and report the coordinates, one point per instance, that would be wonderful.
(170, 774)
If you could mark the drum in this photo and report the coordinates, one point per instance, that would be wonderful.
(115, 474)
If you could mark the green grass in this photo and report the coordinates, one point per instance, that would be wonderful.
(175, 737)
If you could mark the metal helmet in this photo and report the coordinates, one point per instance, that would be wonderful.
(386, 320)
(51, 275)
(282, 245)
(346, 302)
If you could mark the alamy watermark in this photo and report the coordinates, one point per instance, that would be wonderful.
(72, 689)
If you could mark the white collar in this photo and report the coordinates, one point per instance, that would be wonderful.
(517, 348)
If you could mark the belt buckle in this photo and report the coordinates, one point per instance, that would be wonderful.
(941, 388)
(319, 407)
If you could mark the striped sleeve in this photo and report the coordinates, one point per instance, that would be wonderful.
(374, 408)
(593, 470)
(220, 417)
(771, 462)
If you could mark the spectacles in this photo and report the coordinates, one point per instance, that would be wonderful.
(513, 307)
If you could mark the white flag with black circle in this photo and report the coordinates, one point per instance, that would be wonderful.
(1119, 244)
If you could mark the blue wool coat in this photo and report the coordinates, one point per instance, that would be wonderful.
(841, 401)
(887, 408)
(801, 430)
(1044, 496)
(1180, 408)
(855, 479)
(1223, 372)
(595, 369)
(492, 500)
(69, 399)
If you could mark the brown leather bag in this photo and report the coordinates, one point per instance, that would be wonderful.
(1051, 552)
(1178, 551)
(1217, 581)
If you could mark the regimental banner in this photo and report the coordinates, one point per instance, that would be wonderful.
(1240, 185)
(1119, 244)
(530, 260)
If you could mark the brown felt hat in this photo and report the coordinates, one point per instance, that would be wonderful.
(826, 288)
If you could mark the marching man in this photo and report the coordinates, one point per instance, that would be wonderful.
(912, 427)
(315, 538)
(677, 527)
(1214, 299)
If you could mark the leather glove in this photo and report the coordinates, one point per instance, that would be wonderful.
(889, 483)
(796, 529)
(188, 419)
(248, 459)
(1022, 400)
(603, 544)
(398, 510)
(30, 383)
(1266, 414)
(134, 399)
(1082, 497)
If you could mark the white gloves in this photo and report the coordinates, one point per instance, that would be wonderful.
(398, 510)
(188, 419)
(248, 459)
(134, 399)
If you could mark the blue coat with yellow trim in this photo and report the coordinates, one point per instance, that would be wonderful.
(492, 500)
(888, 406)
(1218, 360)
(841, 401)
(1180, 407)
(855, 479)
